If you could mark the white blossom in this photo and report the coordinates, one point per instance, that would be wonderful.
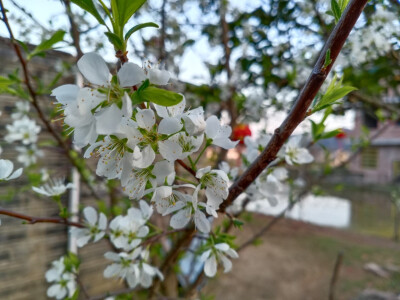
(95, 227)
(219, 134)
(216, 184)
(126, 231)
(6, 170)
(132, 267)
(218, 253)
(22, 109)
(293, 153)
(54, 187)
(63, 281)
(24, 130)
(27, 155)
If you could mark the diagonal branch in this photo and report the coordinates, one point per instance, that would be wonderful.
(299, 110)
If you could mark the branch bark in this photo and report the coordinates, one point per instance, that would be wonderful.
(34, 220)
(299, 110)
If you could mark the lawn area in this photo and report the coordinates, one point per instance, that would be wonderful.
(296, 260)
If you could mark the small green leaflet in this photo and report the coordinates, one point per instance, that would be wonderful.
(138, 27)
(337, 9)
(46, 45)
(155, 95)
(89, 6)
(333, 94)
(123, 10)
(115, 40)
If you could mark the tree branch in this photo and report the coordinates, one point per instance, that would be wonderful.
(35, 101)
(299, 110)
(34, 220)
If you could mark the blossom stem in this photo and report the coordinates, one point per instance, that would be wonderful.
(201, 153)
(185, 180)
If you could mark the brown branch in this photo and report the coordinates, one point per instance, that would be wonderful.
(299, 110)
(186, 167)
(74, 31)
(34, 220)
(35, 102)
(335, 275)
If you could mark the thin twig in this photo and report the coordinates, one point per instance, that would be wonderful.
(335, 275)
(34, 220)
(35, 102)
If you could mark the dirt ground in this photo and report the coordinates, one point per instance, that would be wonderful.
(295, 261)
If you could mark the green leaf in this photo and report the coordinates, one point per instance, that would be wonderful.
(123, 10)
(157, 96)
(138, 27)
(237, 223)
(330, 134)
(89, 6)
(5, 83)
(115, 40)
(328, 59)
(46, 45)
(334, 92)
(337, 13)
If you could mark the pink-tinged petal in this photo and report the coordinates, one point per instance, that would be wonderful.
(94, 68)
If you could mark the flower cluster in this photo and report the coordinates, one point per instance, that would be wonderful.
(62, 278)
(137, 138)
(132, 267)
(25, 131)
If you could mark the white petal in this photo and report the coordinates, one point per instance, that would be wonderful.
(169, 125)
(212, 127)
(130, 74)
(225, 143)
(303, 156)
(210, 266)
(222, 246)
(146, 119)
(144, 158)
(108, 119)
(180, 219)
(102, 221)
(226, 263)
(94, 68)
(6, 167)
(90, 215)
(201, 222)
(170, 150)
(159, 77)
(16, 174)
(66, 93)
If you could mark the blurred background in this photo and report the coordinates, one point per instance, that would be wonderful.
(244, 61)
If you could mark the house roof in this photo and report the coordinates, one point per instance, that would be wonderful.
(386, 142)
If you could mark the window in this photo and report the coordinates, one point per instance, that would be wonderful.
(370, 120)
(369, 158)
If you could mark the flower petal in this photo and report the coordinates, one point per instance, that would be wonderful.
(94, 68)
(130, 74)
(146, 118)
